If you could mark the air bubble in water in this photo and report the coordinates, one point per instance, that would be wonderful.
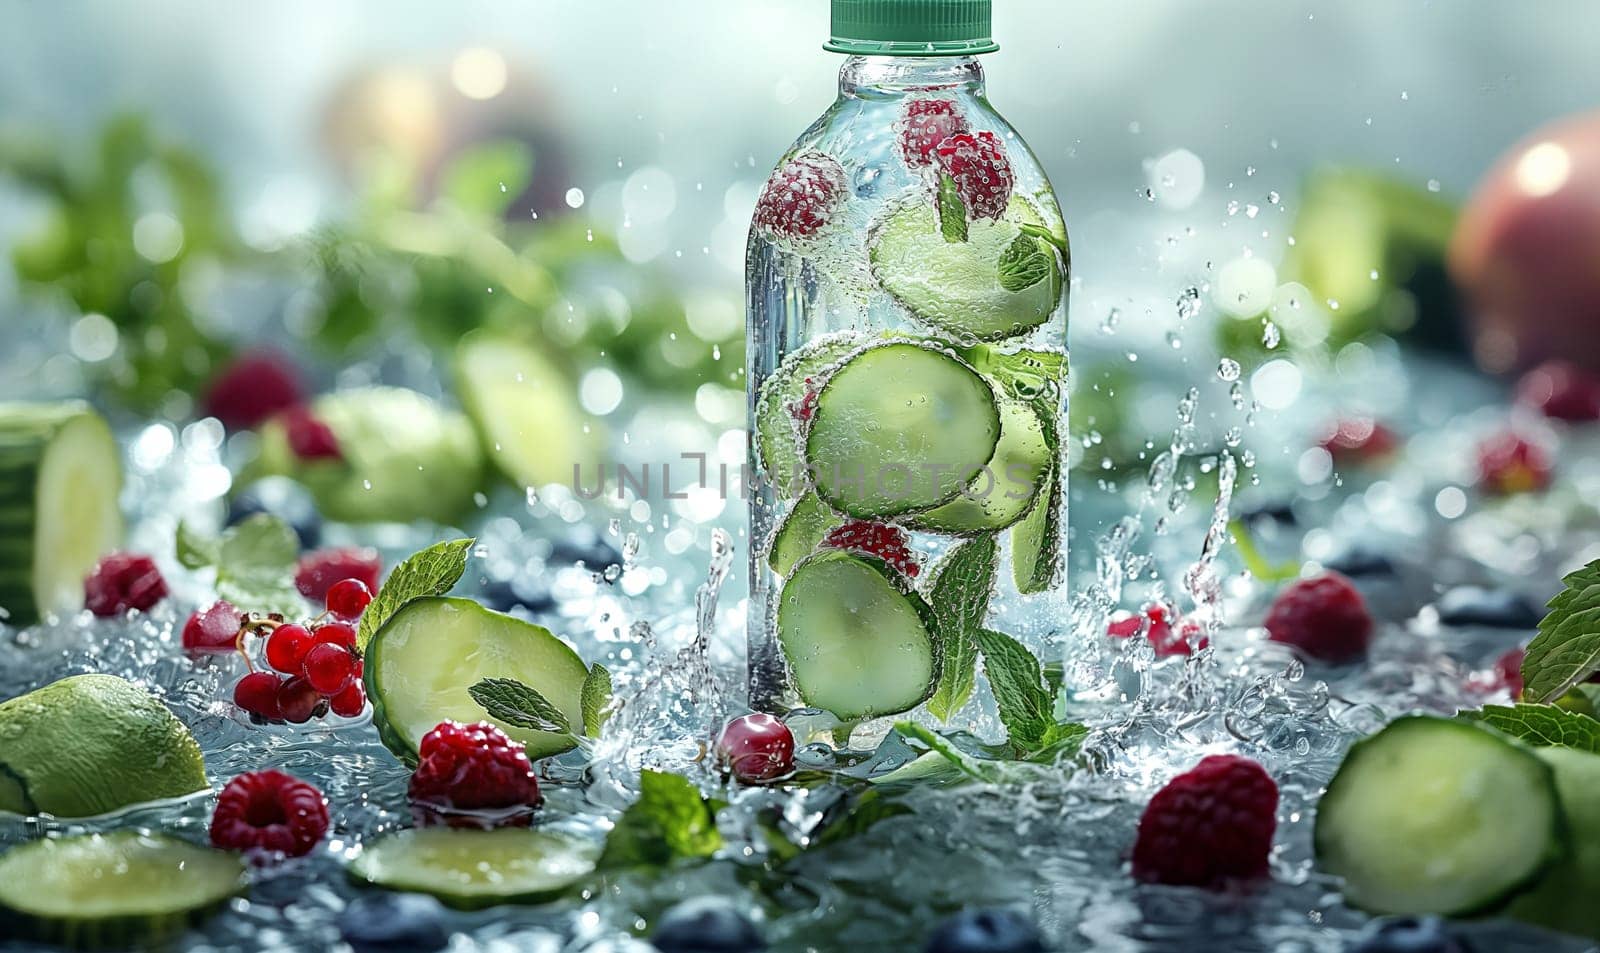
(1228, 369)
(1109, 324)
(1189, 303)
(1270, 335)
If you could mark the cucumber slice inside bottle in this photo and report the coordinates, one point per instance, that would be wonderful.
(421, 663)
(60, 477)
(116, 890)
(472, 869)
(1435, 815)
(1036, 540)
(1006, 489)
(857, 637)
(777, 430)
(997, 284)
(802, 530)
(900, 428)
(525, 409)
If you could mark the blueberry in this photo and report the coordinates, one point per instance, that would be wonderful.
(706, 925)
(283, 498)
(582, 544)
(1359, 562)
(526, 591)
(1411, 935)
(1494, 608)
(1271, 511)
(986, 931)
(392, 922)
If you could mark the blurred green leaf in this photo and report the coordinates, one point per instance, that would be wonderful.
(484, 179)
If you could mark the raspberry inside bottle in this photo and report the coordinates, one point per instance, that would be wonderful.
(906, 280)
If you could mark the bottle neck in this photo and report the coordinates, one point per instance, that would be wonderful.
(888, 77)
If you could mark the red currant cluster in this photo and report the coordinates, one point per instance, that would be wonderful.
(316, 667)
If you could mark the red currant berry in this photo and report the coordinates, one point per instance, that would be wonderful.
(756, 748)
(347, 598)
(350, 702)
(329, 668)
(257, 693)
(297, 700)
(212, 630)
(335, 633)
(287, 647)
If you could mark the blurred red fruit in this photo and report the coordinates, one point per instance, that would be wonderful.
(309, 437)
(1510, 463)
(212, 630)
(1157, 620)
(252, 388)
(1561, 390)
(318, 571)
(1357, 440)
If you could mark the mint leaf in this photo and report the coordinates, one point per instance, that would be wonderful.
(255, 562)
(960, 600)
(852, 814)
(431, 572)
(595, 698)
(967, 764)
(669, 822)
(508, 700)
(952, 210)
(1025, 704)
(1567, 649)
(194, 550)
(1025, 262)
(1544, 726)
(1045, 234)
(1061, 740)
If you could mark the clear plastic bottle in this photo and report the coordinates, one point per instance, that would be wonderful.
(906, 277)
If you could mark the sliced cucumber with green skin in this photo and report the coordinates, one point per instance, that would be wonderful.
(116, 890)
(777, 431)
(525, 409)
(858, 639)
(901, 427)
(978, 288)
(420, 665)
(60, 477)
(1564, 898)
(472, 869)
(1435, 815)
(803, 528)
(1036, 540)
(1005, 490)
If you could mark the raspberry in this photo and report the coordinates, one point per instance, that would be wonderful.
(309, 437)
(318, 571)
(888, 543)
(329, 668)
(1324, 618)
(1504, 676)
(472, 768)
(806, 407)
(1509, 463)
(1156, 619)
(123, 581)
(348, 598)
(756, 748)
(977, 162)
(298, 701)
(252, 388)
(1357, 440)
(269, 811)
(212, 630)
(287, 647)
(1561, 390)
(1209, 825)
(801, 196)
(257, 693)
(350, 702)
(926, 123)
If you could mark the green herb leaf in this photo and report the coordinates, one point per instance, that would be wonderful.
(1061, 740)
(1045, 234)
(1567, 649)
(1256, 563)
(508, 700)
(967, 764)
(595, 698)
(1025, 262)
(194, 550)
(852, 814)
(952, 211)
(669, 822)
(1543, 726)
(960, 600)
(1014, 674)
(431, 572)
(255, 562)
(486, 178)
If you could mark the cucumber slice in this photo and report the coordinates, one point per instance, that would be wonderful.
(900, 428)
(472, 869)
(421, 663)
(777, 430)
(997, 284)
(1434, 815)
(91, 744)
(808, 521)
(116, 890)
(857, 637)
(60, 476)
(1005, 490)
(1564, 897)
(405, 458)
(1036, 541)
(524, 408)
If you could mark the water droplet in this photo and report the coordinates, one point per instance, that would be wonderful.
(1228, 369)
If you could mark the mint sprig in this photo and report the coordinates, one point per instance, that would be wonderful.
(1026, 702)
(952, 210)
(1567, 649)
(596, 699)
(1025, 262)
(254, 560)
(430, 572)
(522, 706)
(671, 822)
(959, 598)
(1543, 726)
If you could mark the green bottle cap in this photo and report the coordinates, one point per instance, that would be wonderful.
(911, 28)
